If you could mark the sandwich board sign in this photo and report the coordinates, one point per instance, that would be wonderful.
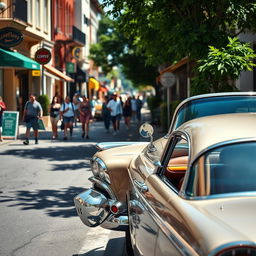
(10, 124)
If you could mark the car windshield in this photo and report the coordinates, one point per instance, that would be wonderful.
(227, 169)
(214, 106)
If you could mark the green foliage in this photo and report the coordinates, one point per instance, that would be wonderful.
(165, 31)
(163, 113)
(153, 102)
(45, 102)
(113, 49)
(222, 66)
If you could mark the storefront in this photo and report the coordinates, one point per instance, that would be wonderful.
(16, 80)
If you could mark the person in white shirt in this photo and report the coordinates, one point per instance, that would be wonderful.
(112, 107)
(67, 113)
(134, 108)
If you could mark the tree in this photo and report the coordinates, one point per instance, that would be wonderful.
(114, 49)
(166, 31)
(223, 66)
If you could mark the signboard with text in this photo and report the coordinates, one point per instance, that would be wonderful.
(10, 124)
(10, 37)
(43, 56)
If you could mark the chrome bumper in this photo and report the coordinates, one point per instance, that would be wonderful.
(93, 208)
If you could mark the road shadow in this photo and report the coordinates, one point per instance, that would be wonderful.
(66, 152)
(55, 203)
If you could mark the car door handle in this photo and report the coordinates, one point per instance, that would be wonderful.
(141, 186)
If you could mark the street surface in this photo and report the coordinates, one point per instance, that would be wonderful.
(37, 187)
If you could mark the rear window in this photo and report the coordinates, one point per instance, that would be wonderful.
(227, 169)
(215, 106)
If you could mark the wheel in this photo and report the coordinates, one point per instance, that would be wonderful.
(128, 251)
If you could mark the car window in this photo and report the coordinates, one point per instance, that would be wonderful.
(176, 163)
(227, 169)
(214, 106)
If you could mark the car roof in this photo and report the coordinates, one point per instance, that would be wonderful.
(209, 95)
(206, 132)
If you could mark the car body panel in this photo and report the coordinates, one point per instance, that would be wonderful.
(163, 219)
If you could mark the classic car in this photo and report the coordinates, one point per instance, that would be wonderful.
(192, 192)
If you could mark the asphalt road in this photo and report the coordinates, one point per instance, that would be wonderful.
(37, 187)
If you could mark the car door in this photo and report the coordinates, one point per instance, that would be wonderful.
(147, 199)
(143, 226)
(173, 235)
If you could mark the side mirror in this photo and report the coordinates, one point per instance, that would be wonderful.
(146, 131)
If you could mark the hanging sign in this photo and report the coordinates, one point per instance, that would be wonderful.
(10, 37)
(10, 124)
(168, 79)
(43, 56)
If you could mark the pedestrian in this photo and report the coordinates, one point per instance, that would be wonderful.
(127, 112)
(67, 114)
(139, 105)
(55, 116)
(106, 113)
(134, 108)
(112, 107)
(76, 102)
(119, 113)
(31, 114)
(2, 109)
(85, 116)
(93, 105)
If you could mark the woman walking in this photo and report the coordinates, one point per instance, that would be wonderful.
(55, 116)
(127, 112)
(106, 114)
(67, 112)
(85, 116)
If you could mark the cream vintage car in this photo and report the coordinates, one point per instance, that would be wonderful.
(192, 192)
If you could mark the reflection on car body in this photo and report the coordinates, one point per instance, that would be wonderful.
(192, 192)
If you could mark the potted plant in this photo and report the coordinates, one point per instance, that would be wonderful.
(45, 102)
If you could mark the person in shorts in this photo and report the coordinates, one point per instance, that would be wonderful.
(67, 113)
(85, 116)
(32, 112)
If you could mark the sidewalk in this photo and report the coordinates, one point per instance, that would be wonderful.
(97, 132)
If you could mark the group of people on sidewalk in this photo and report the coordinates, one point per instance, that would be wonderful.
(67, 112)
(114, 108)
(79, 109)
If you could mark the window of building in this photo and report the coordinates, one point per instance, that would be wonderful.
(38, 23)
(46, 15)
(29, 9)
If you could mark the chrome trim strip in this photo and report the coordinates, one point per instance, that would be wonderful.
(232, 244)
(220, 196)
(104, 186)
(202, 96)
(108, 145)
(119, 223)
(183, 247)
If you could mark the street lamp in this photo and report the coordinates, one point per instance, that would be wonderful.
(2, 6)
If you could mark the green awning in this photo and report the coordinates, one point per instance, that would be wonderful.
(15, 59)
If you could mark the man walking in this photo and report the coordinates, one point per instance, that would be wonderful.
(32, 112)
(112, 107)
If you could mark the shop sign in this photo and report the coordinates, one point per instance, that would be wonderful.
(36, 73)
(43, 56)
(76, 52)
(10, 124)
(10, 37)
(70, 67)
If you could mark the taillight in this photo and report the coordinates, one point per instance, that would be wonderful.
(238, 251)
